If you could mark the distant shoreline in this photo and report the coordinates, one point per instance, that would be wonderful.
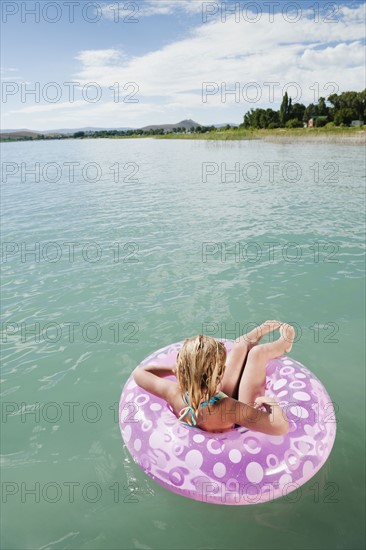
(342, 135)
(353, 136)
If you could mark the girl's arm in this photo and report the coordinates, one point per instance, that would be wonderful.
(151, 379)
(272, 421)
(161, 370)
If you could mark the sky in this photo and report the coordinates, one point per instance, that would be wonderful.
(73, 64)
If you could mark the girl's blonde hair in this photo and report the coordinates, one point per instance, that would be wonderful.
(200, 368)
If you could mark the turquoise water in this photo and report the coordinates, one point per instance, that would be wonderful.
(170, 247)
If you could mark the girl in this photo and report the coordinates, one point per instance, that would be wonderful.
(214, 392)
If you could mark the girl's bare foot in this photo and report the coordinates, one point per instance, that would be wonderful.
(256, 334)
(287, 335)
(269, 326)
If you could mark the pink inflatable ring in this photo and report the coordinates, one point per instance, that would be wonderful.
(236, 467)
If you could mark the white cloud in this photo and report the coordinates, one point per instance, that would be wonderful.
(149, 8)
(354, 13)
(331, 11)
(342, 56)
(243, 52)
(99, 58)
(12, 78)
(9, 77)
(154, 7)
(170, 78)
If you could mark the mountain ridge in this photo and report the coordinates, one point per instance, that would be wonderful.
(186, 123)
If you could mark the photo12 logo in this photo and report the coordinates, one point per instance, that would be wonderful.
(254, 252)
(253, 12)
(71, 492)
(253, 92)
(69, 171)
(69, 11)
(55, 92)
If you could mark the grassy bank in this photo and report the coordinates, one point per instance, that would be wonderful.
(357, 134)
(331, 134)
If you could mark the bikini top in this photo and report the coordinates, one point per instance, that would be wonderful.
(188, 409)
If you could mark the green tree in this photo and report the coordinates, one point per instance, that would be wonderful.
(294, 123)
(344, 116)
(284, 109)
(322, 109)
(348, 106)
(248, 119)
(297, 111)
(310, 111)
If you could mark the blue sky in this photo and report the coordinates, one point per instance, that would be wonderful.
(173, 59)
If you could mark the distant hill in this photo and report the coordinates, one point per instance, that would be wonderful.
(20, 133)
(187, 124)
(17, 130)
(85, 129)
(17, 134)
(63, 130)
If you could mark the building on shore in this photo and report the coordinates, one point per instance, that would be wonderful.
(322, 120)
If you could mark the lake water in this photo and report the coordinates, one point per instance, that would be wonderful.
(143, 243)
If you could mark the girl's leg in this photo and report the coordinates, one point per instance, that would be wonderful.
(237, 358)
(253, 380)
(235, 362)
